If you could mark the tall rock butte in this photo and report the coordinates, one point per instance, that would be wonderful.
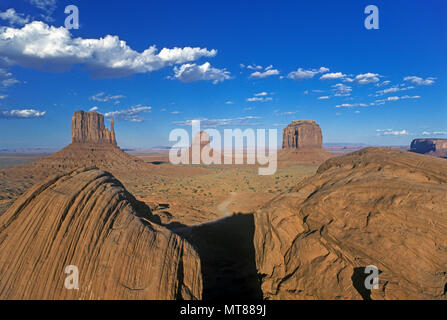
(302, 134)
(435, 147)
(88, 127)
(303, 143)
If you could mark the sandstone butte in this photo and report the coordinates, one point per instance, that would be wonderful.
(378, 207)
(302, 144)
(435, 147)
(87, 219)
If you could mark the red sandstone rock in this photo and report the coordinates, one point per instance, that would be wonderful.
(88, 127)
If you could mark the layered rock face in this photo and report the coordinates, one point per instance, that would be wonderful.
(302, 134)
(87, 219)
(378, 207)
(88, 127)
(302, 143)
(436, 147)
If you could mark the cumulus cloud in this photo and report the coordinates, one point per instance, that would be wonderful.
(132, 114)
(93, 109)
(38, 45)
(14, 18)
(366, 78)
(332, 76)
(212, 123)
(420, 81)
(301, 73)
(21, 114)
(264, 74)
(193, 72)
(102, 97)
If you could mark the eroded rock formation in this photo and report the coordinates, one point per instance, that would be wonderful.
(302, 134)
(87, 219)
(302, 143)
(88, 127)
(435, 147)
(378, 207)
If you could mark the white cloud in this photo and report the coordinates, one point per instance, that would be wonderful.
(366, 78)
(302, 74)
(192, 72)
(3, 96)
(323, 98)
(351, 105)
(132, 114)
(7, 79)
(21, 114)
(47, 6)
(420, 81)
(391, 132)
(45, 47)
(264, 74)
(102, 97)
(13, 17)
(254, 67)
(342, 90)
(394, 89)
(259, 99)
(384, 83)
(219, 122)
(435, 133)
(93, 109)
(229, 102)
(332, 76)
(175, 112)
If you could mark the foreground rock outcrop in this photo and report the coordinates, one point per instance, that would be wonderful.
(303, 144)
(378, 207)
(87, 219)
(435, 147)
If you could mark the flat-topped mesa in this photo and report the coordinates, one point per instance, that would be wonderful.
(89, 128)
(437, 147)
(302, 134)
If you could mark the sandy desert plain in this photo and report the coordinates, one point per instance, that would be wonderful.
(138, 227)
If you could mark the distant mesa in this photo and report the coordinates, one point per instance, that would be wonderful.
(303, 144)
(435, 147)
(302, 134)
(88, 127)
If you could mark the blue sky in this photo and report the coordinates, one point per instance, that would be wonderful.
(247, 64)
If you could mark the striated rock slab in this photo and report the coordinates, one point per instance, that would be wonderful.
(377, 207)
(87, 219)
(436, 147)
(88, 127)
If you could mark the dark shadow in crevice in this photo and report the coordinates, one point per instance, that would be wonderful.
(227, 257)
(358, 280)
